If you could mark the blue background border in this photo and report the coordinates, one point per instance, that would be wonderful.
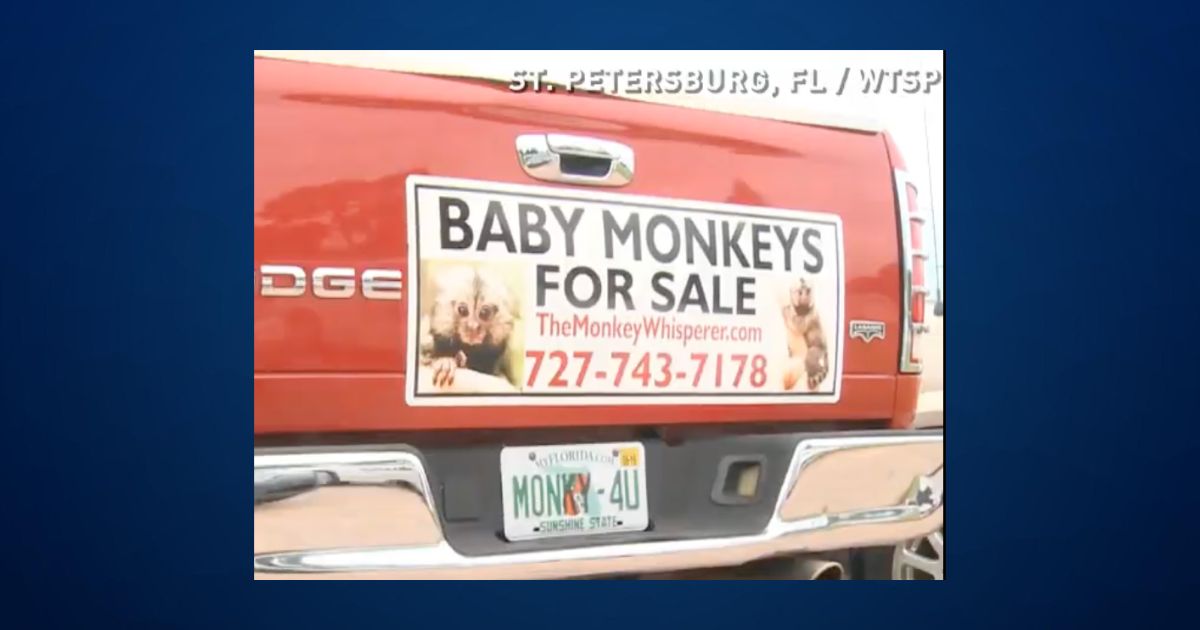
(128, 335)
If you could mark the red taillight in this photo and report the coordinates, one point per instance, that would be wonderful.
(918, 315)
(912, 272)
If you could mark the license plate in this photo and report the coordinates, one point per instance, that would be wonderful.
(573, 489)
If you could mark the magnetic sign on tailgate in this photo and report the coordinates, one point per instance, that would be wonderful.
(538, 295)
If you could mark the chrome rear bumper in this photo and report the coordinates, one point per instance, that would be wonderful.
(371, 514)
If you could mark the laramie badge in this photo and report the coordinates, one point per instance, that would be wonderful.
(867, 331)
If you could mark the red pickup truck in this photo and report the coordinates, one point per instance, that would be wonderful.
(517, 335)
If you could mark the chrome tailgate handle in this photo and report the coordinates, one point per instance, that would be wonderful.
(557, 157)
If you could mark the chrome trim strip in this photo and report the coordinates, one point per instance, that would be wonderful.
(925, 496)
(903, 214)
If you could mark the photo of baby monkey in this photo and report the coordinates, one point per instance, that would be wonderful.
(808, 354)
(469, 322)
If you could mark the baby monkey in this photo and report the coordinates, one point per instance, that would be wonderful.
(468, 326)
(806, 338)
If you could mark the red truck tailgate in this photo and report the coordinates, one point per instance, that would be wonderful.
(346, 159)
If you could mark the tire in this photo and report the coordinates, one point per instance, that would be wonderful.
(917, 559)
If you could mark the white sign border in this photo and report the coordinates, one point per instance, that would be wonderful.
(412, 288)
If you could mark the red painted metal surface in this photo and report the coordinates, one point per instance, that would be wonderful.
(333, 147)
